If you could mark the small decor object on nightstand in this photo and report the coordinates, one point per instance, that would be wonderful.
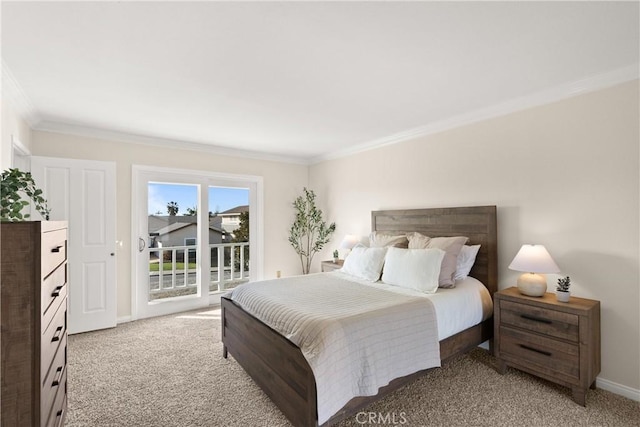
(532, 260)
(335, 255)
(563, 294)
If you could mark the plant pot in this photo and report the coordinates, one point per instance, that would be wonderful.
(335, 260)
(563, 296)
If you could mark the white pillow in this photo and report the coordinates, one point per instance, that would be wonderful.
(365, 263)
(417, 269)
(466, 259)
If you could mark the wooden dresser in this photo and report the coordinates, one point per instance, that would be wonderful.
(33, 284)
(553, 340)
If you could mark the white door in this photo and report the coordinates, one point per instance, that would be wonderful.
(82, 192)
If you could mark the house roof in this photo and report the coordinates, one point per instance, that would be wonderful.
(235, 211)
(163, 224)
(179, 225)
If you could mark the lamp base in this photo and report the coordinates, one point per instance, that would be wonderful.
(532, 284)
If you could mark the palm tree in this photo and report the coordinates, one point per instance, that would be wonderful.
(172, 208)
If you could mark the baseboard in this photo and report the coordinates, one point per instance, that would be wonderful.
(123, 319)
(622, 390)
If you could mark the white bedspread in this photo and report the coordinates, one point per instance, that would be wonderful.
(356, 337)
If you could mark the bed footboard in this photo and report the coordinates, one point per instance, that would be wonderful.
(272, 361)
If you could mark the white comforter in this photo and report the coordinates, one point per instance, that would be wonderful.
(356, 337)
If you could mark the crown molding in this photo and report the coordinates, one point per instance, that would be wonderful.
(110, 135)
(558, 93)
(13, 92)
(16, 96)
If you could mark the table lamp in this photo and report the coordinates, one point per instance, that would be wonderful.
(533, 260)
(348, 243)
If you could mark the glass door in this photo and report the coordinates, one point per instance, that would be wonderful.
(230, 255)
(195, 235)
(172, 240)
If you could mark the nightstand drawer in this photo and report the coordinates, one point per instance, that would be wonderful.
(549, 355)
(541, 320)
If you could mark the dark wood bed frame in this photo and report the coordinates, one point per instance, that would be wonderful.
(281, 370)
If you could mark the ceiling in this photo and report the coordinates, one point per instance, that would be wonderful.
(300, 80)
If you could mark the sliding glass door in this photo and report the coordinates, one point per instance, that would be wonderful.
(197, 234)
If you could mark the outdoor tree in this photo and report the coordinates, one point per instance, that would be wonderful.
(192, 211)
(241, 234)
(172, 208)
(309, 232)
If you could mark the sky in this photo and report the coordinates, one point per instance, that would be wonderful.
(186, 196)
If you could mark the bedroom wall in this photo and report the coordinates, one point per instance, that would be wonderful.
(12, 124)
(282, 183)
(565, 175)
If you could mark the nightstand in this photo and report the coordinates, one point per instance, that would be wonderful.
(557, 341)
(330, 265)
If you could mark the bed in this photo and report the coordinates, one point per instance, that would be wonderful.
(279, 367)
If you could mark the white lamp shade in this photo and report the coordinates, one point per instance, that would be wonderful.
(534, 259)
(349, 241)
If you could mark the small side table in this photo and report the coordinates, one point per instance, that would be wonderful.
(557, 341)
(330, 265)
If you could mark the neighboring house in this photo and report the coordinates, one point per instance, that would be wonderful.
(229, 220)
(173, 230)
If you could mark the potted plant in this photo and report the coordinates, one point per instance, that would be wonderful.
(562, 290)
(15, 184)
(335, 255)
(309, 232)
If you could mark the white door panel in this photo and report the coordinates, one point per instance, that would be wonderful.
(82, 192)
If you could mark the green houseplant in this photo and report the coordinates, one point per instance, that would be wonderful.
(562, 290)
(309, 232)
(15, 184)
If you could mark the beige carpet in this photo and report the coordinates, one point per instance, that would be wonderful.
(169, 371)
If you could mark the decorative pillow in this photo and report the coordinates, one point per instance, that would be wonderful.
(365, 263)
(466, 259)
(418, 241)
(452, 246)
(384, 240)
(417, 269)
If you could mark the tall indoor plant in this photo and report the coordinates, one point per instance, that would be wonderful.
(15, 184)
(309, 232)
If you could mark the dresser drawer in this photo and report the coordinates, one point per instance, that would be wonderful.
(54, 383)
(555, 357)
(54, 290)
(541, 320)
(53, 250)
(58, 412)
(52, 337)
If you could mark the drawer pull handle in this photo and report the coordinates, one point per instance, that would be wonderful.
(526, 347)
(56, 381)
(56, 291)
(56, 249)
(536, 319)
(56, 336)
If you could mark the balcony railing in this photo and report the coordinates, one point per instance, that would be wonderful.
(173, 272)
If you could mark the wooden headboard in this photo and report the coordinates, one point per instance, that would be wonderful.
(478, 223)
